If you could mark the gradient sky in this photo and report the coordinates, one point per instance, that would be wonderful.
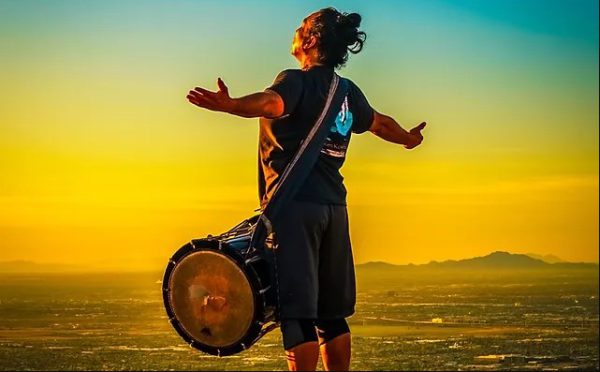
(104, 163)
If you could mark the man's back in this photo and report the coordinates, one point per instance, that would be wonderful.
(304, 93)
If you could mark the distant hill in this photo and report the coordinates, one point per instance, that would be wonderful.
(379, 265)
(495, 268)
(548, 258)
(495, 260)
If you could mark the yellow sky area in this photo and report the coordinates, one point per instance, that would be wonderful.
(458, 219)
(133, 214)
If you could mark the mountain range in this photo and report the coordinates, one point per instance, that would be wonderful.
(495, 260)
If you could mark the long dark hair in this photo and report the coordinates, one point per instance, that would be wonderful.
(337, 34)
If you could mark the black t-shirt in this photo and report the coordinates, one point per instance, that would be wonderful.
(304, 93)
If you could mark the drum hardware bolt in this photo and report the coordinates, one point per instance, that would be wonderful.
(271, 242)
(244, 346)
(219, 353)
(262, 291)
(172, 262)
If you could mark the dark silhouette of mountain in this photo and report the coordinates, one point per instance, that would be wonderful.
(495, 260)
(548, 258)
(379, 265)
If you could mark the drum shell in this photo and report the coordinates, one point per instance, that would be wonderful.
(260, 265)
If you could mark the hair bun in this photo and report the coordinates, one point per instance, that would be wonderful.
(337, 35)
(353, 19)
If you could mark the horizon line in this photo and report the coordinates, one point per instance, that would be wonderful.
(55, 267)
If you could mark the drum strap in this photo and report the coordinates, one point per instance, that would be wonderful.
(302, 163)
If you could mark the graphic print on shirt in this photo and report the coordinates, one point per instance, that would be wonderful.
(337, 141)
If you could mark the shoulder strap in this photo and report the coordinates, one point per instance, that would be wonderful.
(303, 161)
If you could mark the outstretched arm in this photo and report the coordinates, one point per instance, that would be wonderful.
(268, 103)
(388, 129)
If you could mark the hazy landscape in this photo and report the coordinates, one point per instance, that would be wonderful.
(500, 312)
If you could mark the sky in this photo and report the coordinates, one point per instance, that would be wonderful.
(104, 163)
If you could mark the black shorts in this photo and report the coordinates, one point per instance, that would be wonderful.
(314, 263)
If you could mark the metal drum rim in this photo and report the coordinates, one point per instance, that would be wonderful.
(250, 274)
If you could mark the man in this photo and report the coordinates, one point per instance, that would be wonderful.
(316, 282)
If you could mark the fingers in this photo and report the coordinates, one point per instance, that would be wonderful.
(416, 136)
(222, 87)
(416, 131)
(419, 127)
(202, 100)
(202, 91)
(205, 98)
(193, 98)
(215, 101)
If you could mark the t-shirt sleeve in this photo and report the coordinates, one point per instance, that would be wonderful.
(362, 111)
(288, 84)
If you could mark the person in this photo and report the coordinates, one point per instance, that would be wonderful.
(314, 261)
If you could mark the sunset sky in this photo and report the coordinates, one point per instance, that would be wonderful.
(105, 164)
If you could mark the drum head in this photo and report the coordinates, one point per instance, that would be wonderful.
(211, 298)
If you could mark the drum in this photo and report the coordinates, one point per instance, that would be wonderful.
(218, 291)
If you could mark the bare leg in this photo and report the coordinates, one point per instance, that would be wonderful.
(303, 357)
(336, 353)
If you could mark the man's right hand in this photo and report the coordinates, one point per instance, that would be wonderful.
(388, 129)
(214, 101)
(416, 136)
